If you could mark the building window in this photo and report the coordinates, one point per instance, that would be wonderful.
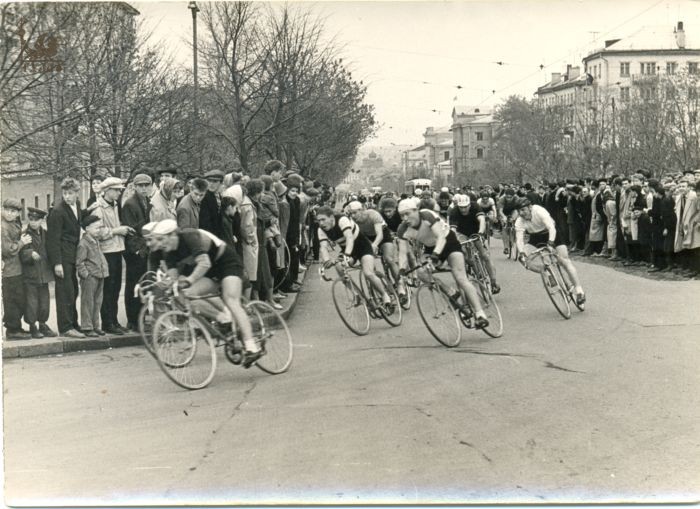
(624, 93)
(648, 68)
(36, 201)
(48, 201)
(479, 136)
(624, 69)
(671, 67)
(692, 67)
(693, 117)
(479, 153)
(692, 93)
(23, 209)
(647, 93)
(447, 155)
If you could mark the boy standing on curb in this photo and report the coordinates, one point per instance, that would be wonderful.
(91, 266)
(37, 275)
(12, 285)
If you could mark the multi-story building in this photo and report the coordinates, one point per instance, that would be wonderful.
(439, 150)
(472, 136)
(414, 163)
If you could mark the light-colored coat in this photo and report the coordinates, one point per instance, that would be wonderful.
(688, 229)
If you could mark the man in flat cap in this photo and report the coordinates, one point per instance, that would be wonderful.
(210, 208)
(37, 275)
(13, 240)
(135, 214)
(112, 246)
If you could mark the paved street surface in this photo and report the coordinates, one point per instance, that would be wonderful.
(602, 407)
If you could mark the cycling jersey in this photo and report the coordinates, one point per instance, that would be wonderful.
(361, 246)
(424, 234)
(541, 228)
(193, 243)
(487, 206)
(366, 220)
(507, 205)
(392, 222)
(466, 224)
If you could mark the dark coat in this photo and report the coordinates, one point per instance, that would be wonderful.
(63, 234)
(293, 228)
(37, 272)
(534, 198)
(136, 213)
(210, 215)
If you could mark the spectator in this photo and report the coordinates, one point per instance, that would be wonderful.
(189, 208)
(596, 231)
(37, 276)
(135, 214)
(248, 231)
(532, 195)
(163, 201)
(112, 246)
(610, 211)
(293, 233)
(95, 185)
(663, 226)
(63, 234)
(264, 282)
(13, 297)
(690, 229)
(210, 208)
(283, 205)
(93, 268)
(682, 212)
(573, 219)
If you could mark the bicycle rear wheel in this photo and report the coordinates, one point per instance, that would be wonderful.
(272, 334)
(438, 315)
(184, 349)
(493, 313)
(555, 290)
(351, 306)
(148, 315)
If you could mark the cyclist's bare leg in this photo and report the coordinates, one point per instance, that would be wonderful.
(231, 290)
(456, 262)
(367, 262)
(389, 255)
(486, 258)
(213, 307)
(565, 261)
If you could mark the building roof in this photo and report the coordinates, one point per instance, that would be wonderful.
(462, 109)
(563, 83)
(416, 149)
(480, 119)
(660, 38)
(446, 143)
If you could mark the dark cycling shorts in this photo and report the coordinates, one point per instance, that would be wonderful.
(361, 247)
(228, 264)
(543, 237)
(387, 237)
(452, 245)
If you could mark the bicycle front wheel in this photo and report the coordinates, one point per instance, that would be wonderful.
(438, 315)
(272, 334)
(184, 349)
(555, 290)
(351, 307)
(392, 312)
(493, 313)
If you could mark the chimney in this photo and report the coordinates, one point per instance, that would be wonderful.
(574, 72)
(556, 76)
(568, 70)
(680, 35)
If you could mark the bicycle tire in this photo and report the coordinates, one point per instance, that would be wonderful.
(287, 258)
(493, 313)
(347, 301)
(437, 313)
(395, 317)
(145, 325)
(556, 292)
(176, 333)
(273, 336)
(406, 304)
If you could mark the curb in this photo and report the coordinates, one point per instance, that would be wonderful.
(59, 345)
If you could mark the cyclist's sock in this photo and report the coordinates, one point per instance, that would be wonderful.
(250, 345)
(578, 290)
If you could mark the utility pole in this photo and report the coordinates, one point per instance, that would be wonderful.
(195, 121)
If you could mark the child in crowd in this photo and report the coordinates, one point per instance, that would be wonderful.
(37, 274)
(91, 266)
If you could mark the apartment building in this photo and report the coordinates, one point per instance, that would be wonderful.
(472, 135)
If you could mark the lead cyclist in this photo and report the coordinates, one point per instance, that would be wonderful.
(539, 224)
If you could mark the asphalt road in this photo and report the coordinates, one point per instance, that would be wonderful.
(602, 407)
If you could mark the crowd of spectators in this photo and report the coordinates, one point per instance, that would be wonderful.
(93, 251)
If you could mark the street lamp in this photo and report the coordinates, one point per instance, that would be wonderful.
(193, 7)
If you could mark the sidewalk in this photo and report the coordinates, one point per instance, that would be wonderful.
(61, 345)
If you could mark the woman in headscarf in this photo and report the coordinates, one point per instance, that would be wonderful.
(163, 203)
(610, 210)
(248, 237)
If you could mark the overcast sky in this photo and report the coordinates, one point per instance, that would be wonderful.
(413, 55)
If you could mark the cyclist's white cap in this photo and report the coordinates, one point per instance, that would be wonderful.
(147, 229)
(354, 206)
(418, 192)
(164, 227)
(406, 205)
(463, 200)
(444, 190)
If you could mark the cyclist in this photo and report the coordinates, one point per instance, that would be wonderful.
(468, 220)
(387, 208)
(506, 207)
(372, 225)
(196, 258)
(428, 229)
(535, 220)
(346, 233)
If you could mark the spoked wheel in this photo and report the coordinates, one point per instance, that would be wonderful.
(438, 315)
(570, 290)
(351, 307)
(555, 290)
(493, 313)
(408, 296)
(273, 336)
(391, 312)
(148, 315)
(184, 349)
(283, 277)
